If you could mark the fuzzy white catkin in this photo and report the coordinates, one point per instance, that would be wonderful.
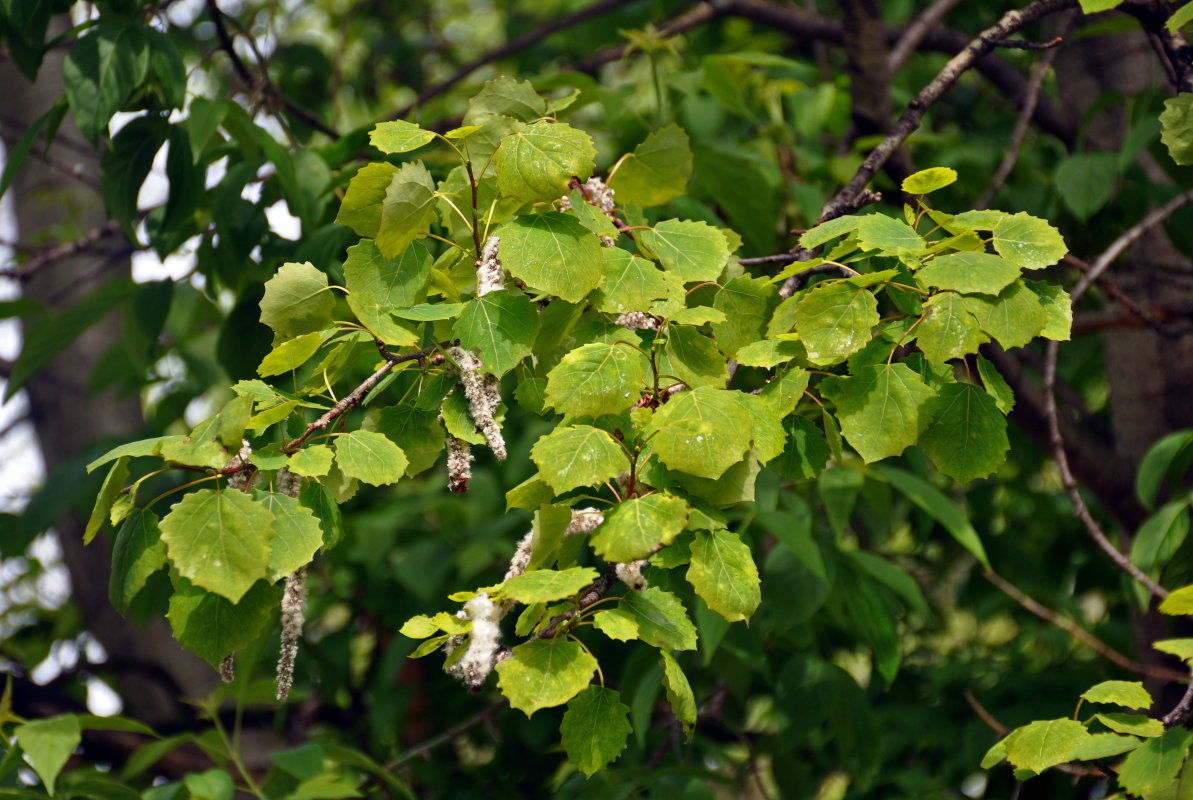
(228, 668)
(288, 483)
(630, 573)
(521, 557)
(294, 604)
(483, 397)
(459, 464)
(637, 321)
(239, 480)
(490, 276)
(584, 520)
(478, 660)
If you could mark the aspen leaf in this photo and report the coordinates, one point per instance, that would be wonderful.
(1155, 764)
(629, 283)
(552, 253)
(657, 171)
(595, 728)
(695, 251)
(597, 379)
(219, 540)
(578, 455)
(398, 136)
(212, 626)
(296, 534)
(545, 585)
(1128, 694)
(537, 162)
(545, 673)
(662, 620)
(48, 744)
(984, 273)
(679, 692)
(370, 457)
(297, 300)
(834, 320)
(137, 553)
(883, 409)
(701, 432)
(500, 325)
(407, 210)
(1044, 743)
(635, 527)
(967, 437)
(723, 573)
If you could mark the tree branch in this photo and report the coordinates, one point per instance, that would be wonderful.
(518, 43)
(915, 33)
(1066, 476)
(910, 121)
(46, 257)
(1079, 633)
(1126, 239)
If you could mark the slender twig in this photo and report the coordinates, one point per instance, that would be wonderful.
(443, 738)
(1113, 290)
(1077, 632)
(595, 592)
(358, 394)
(702, 13)
(762, 261)
(910, 121)
(1177, 715)
(1066, 476)
(1022, 44)
(515, 45)
(914, 34)
(1011, 154)
(1126, 239)
(59, 252)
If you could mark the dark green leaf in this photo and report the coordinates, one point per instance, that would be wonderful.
(595, 728)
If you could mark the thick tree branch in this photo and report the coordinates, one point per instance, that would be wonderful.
(1066, 475)
(61, 252)
(1011, 22)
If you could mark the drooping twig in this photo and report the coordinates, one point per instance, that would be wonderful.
(1001, 730)
(358, 394)
(518, 43)
(451, 733)
(1077, 632)
(1022, 44)
(914, 34)
(702, 13)
(910, 121)
(1011, 154)
(1119, 296)
(1126, 239)
(1066, 475)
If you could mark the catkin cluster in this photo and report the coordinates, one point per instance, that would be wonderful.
(490, 276)
(484, 396)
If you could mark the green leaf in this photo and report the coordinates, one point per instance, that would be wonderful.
(834, 320)
(430, 312)
(694, 358)
(657, 171)
(552, 253)
(311, 461)
(936, 505)
(199, 449)
(142, 447)
(545, 673)
(1179, 602)
(996, 386)
(1155, 764)
(805, 451)
(297, 300)
(598, 378)
(1128, 694)
(113, 485)
(1044, 743)
(747, 304)
(537, 162)
(578, 455)
(984, 273)
(138, 553)
(831, 229)
(211, 626)
(398, 136)
(1086, 181)
(1180, 18)
(1096, 6)
(407, 211)
(48, 743)
(882, 410)
(290, 354)
(880, 232)
(768, 353)
(1161, 535)
(319, 500)
(591, 217)
(595, 729)
(214, 784)
(303, 762)
(662, 620)
(635, 527)
(360, 209)
(1058, 307)
(1103, 745)
(723, 573)
(16, 156)
(679, 692)
(370, 457)
(929, 180)
(378, 286)
(629, 283)
(101, 70)
(501, 325)
(617, 624)
(545, 585)
(296, 534)
(1181, 648)
(785, 391)
(505, 97)
(967, 438)
(948, 330)
(1028, 242)
(695, 251)
(702, 432)
(126, 164)
(219, 540)
(530, 494)
(1176, 127)
(1135, 724)
(1014, 317)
